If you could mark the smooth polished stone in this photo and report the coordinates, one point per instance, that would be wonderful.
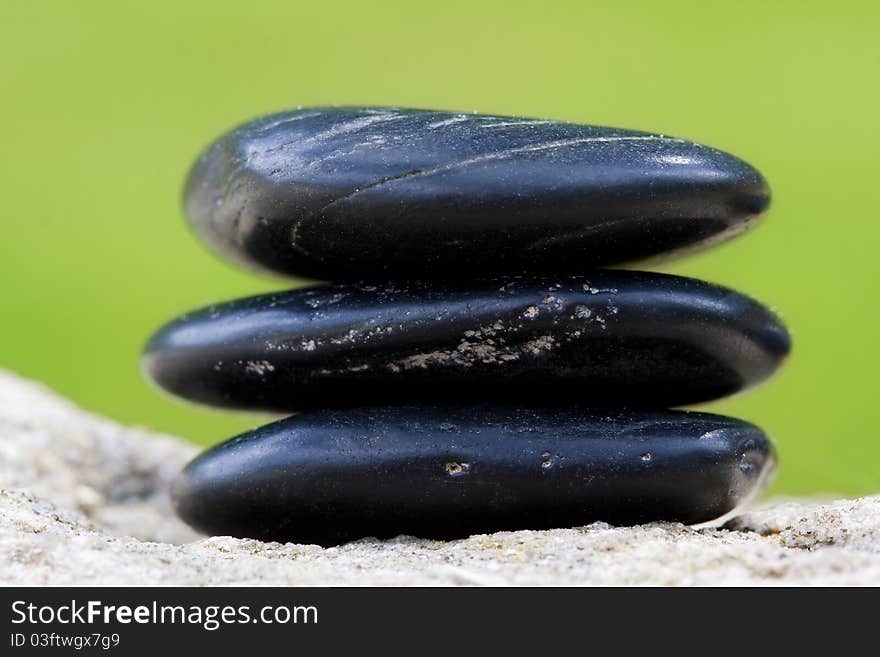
(617, 338)
(331, 476)
(350, 193)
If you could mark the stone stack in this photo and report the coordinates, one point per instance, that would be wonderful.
(471, 368)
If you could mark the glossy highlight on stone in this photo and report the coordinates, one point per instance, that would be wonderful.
(342, 193)
(329, 476)
(622, 338)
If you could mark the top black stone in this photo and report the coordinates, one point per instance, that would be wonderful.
(347, 193)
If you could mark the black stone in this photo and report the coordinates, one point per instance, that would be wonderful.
(614, 338)
(332, 476)
(349, 193)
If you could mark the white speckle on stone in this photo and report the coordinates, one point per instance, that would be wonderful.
(442, 124)
(506, 124)
(329, 300)
(599, 290)
(259, 367)
(553, 302)
(582, 312)
(543, 343)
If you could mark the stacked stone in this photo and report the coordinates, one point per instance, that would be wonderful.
(471, 369)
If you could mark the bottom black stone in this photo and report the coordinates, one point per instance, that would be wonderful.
(327, 477)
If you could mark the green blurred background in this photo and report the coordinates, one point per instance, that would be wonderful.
(105, 104)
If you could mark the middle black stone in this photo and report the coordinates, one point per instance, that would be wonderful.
(613, 338)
